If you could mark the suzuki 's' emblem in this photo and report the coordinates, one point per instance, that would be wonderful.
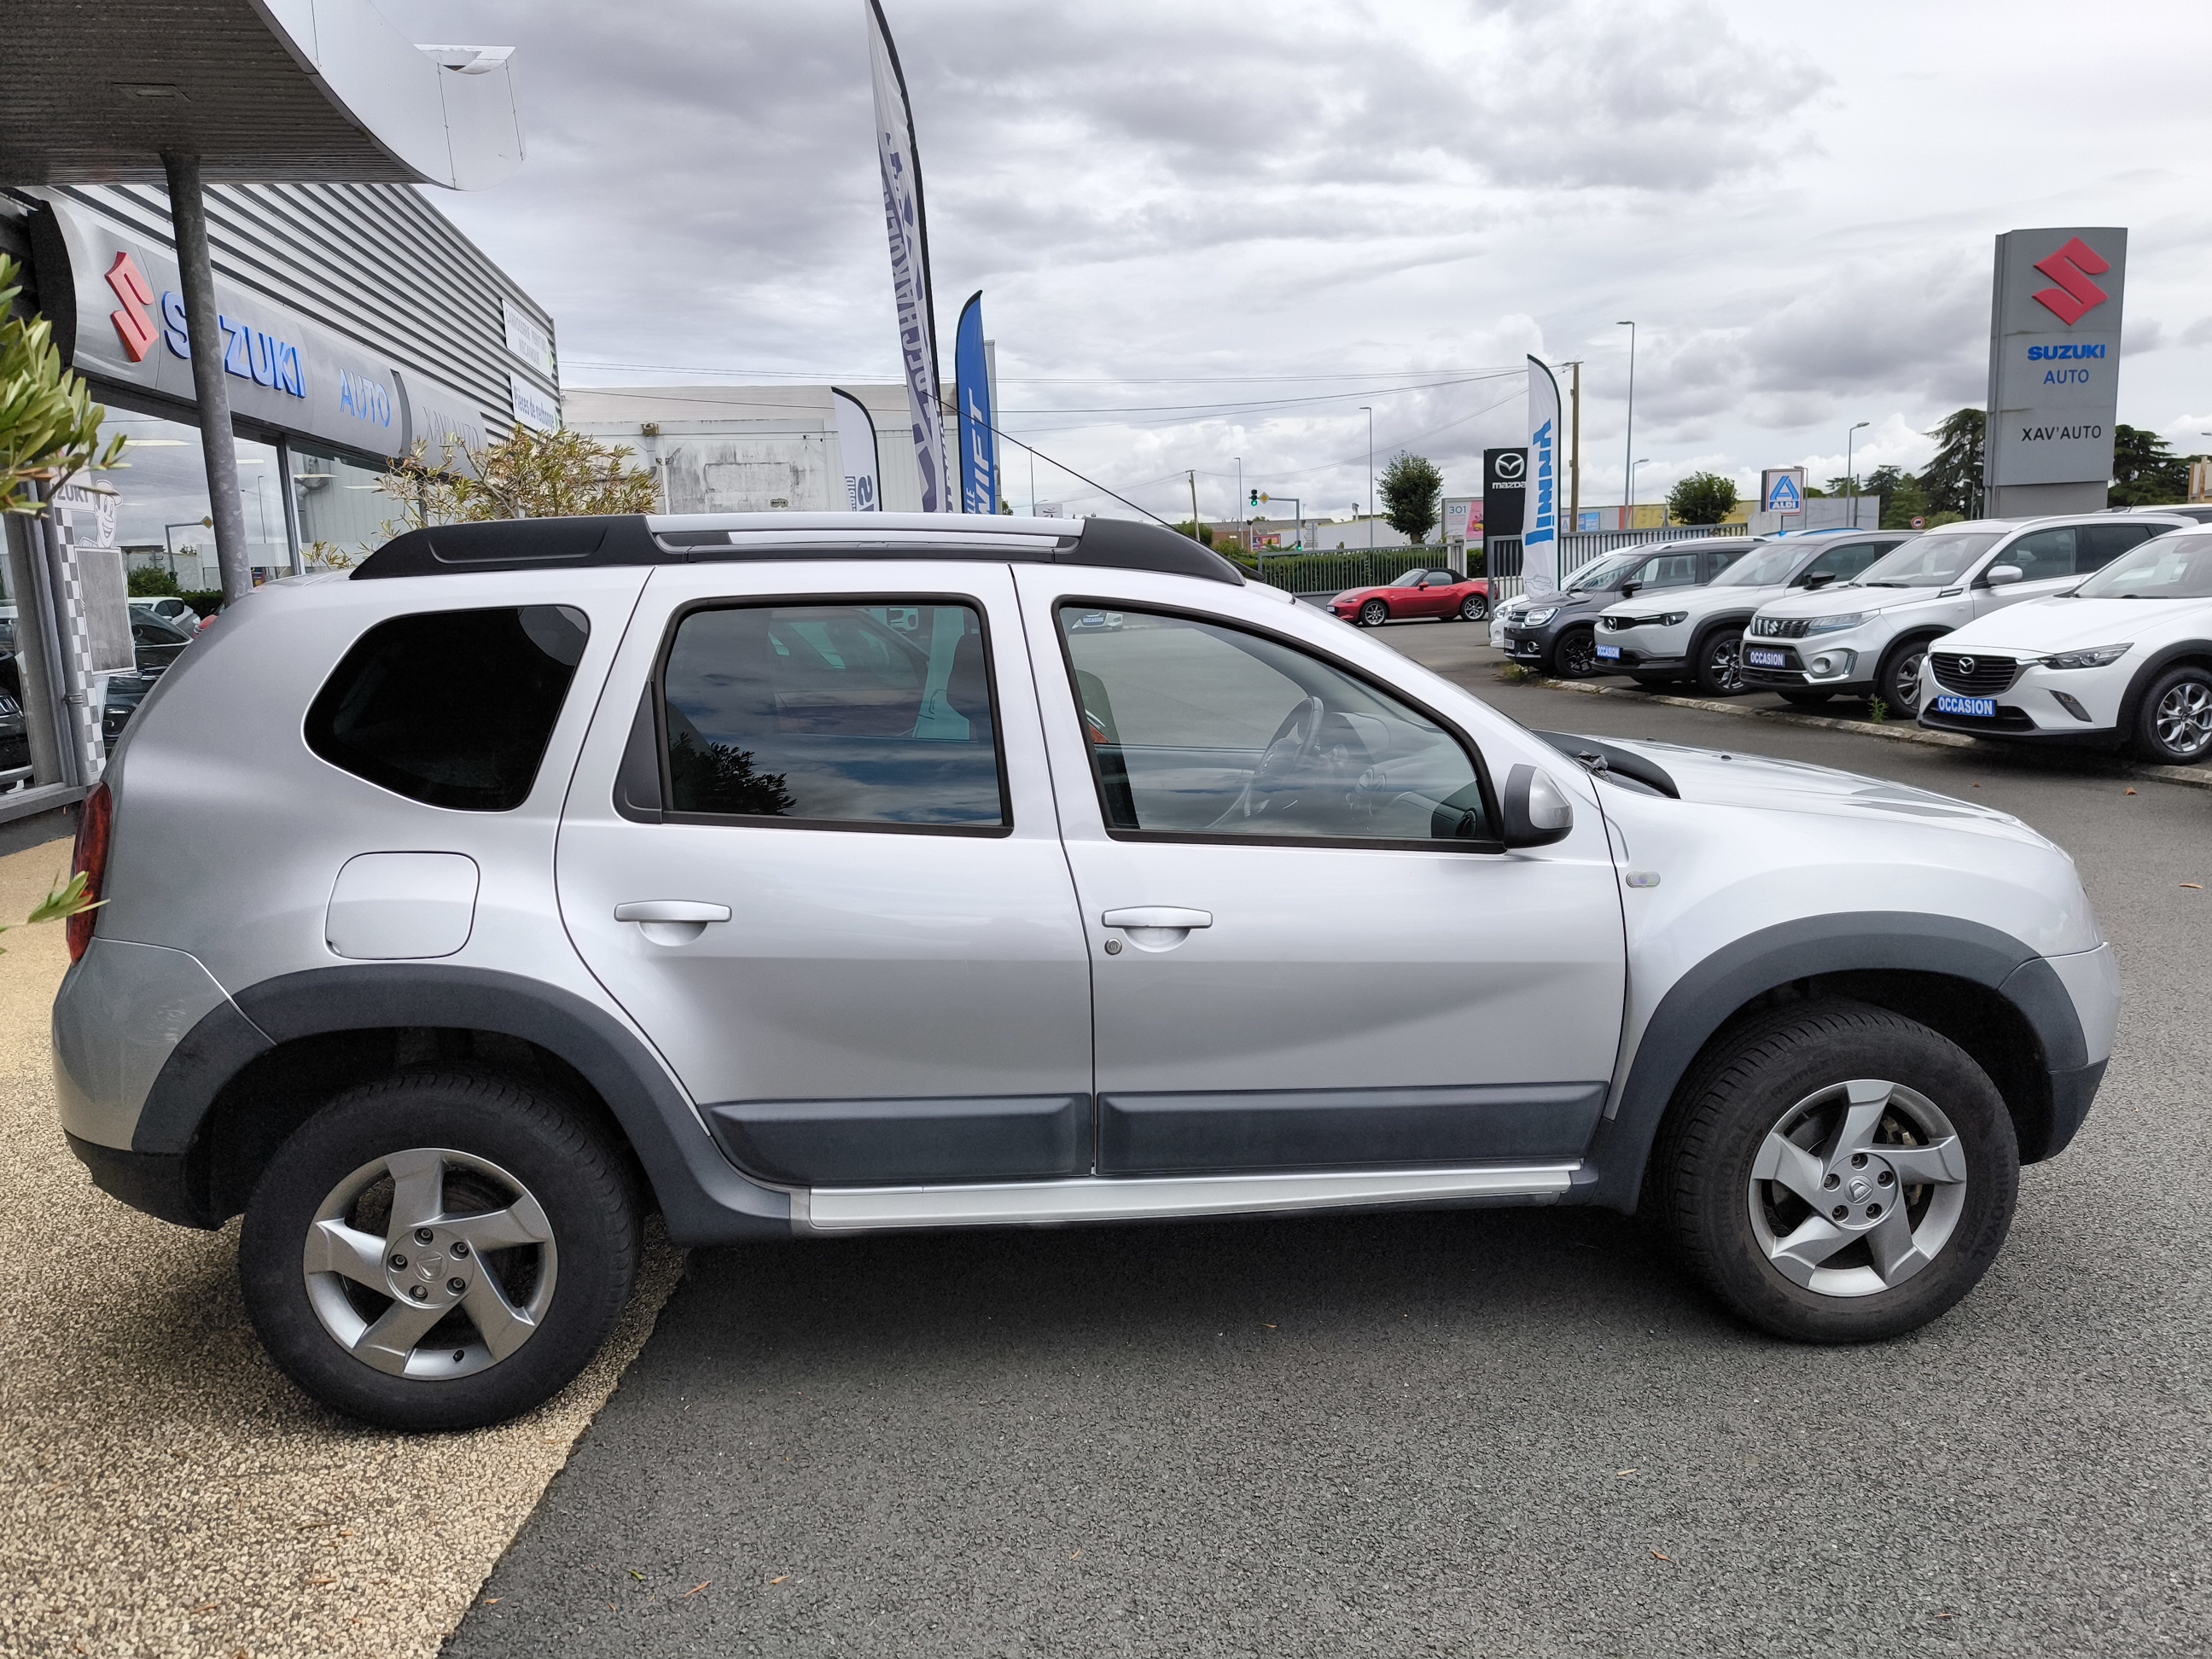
(133, 327)
(2071, 268)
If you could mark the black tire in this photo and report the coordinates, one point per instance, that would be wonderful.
(1573, 655)
(578, 1180)
(1374, 614)
(1473, 607)
(1702, 1174)
(1897, 682)
(2173, 722)
(1719, 662)
(1807, 699)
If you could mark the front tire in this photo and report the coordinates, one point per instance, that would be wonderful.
(439, 1250)
(2173, 725)
(1374, 614)
(1897, 682)
(1473, 607)
(1574, 655)
(1839, 1173)
(1720, 663)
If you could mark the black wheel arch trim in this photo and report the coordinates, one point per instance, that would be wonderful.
(702, 1197)
(2157, 663)
(1707, 997)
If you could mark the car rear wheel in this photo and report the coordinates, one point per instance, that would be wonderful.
(1374, 614)
(1720, 663)
(439, 1251)
(1574, 655)
(1839, 1173)
(1897, 682)
(2174, 726)
(1473, 607)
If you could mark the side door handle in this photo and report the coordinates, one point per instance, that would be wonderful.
(1157, 926)
(670, 921)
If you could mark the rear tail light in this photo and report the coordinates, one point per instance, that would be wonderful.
(95, 830)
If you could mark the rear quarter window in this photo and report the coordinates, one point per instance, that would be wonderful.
(451, 708)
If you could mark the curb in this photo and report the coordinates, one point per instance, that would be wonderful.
(2188, 777)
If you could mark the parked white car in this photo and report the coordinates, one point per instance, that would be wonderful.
(1867, 639)
(2123, 659)
(1696, 633)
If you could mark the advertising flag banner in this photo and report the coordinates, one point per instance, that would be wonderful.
(978, 451)
(1539, 513)
(856, 439)
(910, 239)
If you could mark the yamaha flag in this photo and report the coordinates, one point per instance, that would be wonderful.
(856, 438)
(979, 453)
(909, 236)
(1540, 523)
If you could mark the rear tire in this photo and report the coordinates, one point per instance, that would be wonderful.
(1865, 1100)
(2173, 725)
(376, 1198)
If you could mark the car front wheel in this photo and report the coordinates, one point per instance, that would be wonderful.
(1839, 1173)
(1897, 682)
(1374, 614)
(1720, 663)
(439, 1251)
(1574, 657)
(1473, 607)
(2174, 727)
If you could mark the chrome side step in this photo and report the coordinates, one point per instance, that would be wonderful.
(1043, 1203)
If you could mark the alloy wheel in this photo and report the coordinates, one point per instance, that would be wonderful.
(1857, 1188)
(1473, 607)
(1904, 687)
(1724, 664)
(1374, 614)
(2183, 719)
(1576, 654)
(429, 1263)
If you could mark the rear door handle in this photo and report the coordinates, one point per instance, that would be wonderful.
(671, 910)
(1159, 915)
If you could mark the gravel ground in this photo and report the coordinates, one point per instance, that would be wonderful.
(1493, 1432)
(163, 1489)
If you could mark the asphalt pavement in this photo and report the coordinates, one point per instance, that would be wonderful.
(1517, 1432)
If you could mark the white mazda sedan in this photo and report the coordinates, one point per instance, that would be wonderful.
(2122, 659)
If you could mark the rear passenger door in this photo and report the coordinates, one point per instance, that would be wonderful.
(811, 850)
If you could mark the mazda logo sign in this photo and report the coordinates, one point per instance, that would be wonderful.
(1511, 465)
(1965, 664)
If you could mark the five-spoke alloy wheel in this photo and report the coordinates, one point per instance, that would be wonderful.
(1838, 1172)
(439, 1250)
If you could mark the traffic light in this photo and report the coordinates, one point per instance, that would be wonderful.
(1255, 498)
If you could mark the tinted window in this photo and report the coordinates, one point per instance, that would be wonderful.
(1197, 729)
(2096, 545)
(836, 713)
(454, 707)
(1846, 561)
(1670, 570)
(2174, 567)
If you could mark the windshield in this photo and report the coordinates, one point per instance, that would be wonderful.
(1413, 578)
(1932, 561)
(1605, 573)
(2177, 566)
(1767, 567)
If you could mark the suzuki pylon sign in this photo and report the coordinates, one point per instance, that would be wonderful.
(2054, 369)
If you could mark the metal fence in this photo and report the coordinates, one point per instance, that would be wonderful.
(1503, 561)
(1331, 573)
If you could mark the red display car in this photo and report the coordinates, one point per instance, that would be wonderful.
(1421, 591)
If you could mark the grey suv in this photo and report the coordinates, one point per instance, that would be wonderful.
(808, 877)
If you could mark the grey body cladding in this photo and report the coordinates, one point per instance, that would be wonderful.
(2055, 313)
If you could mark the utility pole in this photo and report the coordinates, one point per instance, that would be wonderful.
(1194, 536)
(1575, 451)
(1851, 478)
(1244, 522)
(1370, 413)
(1628, 442)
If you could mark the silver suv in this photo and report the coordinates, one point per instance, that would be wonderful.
(806, 877)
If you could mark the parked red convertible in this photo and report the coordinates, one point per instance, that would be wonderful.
(1419, 592)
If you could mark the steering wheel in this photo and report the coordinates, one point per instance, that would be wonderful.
(1294, 744)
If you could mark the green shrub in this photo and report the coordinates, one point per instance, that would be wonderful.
(151, 582)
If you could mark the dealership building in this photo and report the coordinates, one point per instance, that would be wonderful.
(350, 320)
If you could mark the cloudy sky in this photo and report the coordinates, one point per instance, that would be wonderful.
(1209, 230)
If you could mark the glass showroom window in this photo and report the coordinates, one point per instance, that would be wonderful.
(343, 518)
(162, 520)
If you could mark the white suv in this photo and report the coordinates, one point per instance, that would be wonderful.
(2124, 658)
(807, 876)
(1867, 639)
(1697, 634)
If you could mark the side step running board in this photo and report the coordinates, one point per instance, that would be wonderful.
(1043, 1203)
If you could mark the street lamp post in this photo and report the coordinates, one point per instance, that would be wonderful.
(1628, 440)
(1850, 477)
(1641, 461)
(1369, 411)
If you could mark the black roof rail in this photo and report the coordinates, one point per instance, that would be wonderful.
(632, 538)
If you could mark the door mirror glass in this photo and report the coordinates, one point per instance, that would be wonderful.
(878, 713)
(1535, 810)
(1197, 729)
(2003, 575)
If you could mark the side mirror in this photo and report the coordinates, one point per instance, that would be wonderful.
(1536, 811)
(1628, 589)
(2002, 576)
(1816, 579)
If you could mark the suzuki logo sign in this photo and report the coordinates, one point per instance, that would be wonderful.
(2071, 268)
(134, 324)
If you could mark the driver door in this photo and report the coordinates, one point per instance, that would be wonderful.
(1294, 963)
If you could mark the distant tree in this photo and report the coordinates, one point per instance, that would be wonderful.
(524, 475)
(1952, 481)
(1412, 487)
(2146, 472)
(1201, 532)
(1903, 499)
(1701, 498)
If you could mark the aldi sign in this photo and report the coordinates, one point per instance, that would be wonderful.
(1782, 489)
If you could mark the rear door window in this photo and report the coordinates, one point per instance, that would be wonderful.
(451, 708)
(2097, 544)
(2042, 553)
(871, 714)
